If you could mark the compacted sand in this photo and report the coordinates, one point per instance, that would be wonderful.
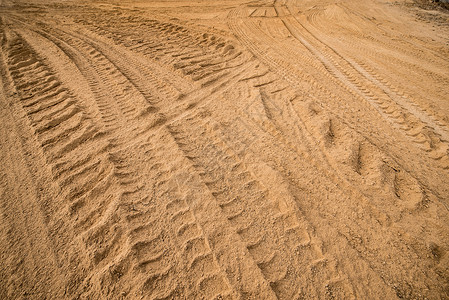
(224, 149)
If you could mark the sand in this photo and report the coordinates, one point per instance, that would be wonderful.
(224, 150)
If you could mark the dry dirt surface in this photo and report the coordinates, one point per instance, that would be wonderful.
(223, 150)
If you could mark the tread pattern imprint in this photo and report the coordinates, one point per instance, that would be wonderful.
(154, 157)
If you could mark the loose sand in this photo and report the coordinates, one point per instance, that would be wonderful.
(224, 149)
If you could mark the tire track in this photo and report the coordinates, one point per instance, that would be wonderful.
(429, 141)
(411, 49)
(395, 182)
(287, 112)
(202, 61)
(393, 108)
(207, 172)
(79, 169)
(277, 66)
(247, 205)
(88, 183)
(160, 284)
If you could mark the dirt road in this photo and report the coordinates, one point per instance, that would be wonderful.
(238, 150)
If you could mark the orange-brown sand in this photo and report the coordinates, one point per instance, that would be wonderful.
(224, 150)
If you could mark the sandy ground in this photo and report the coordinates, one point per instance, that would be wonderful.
(224, 149)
